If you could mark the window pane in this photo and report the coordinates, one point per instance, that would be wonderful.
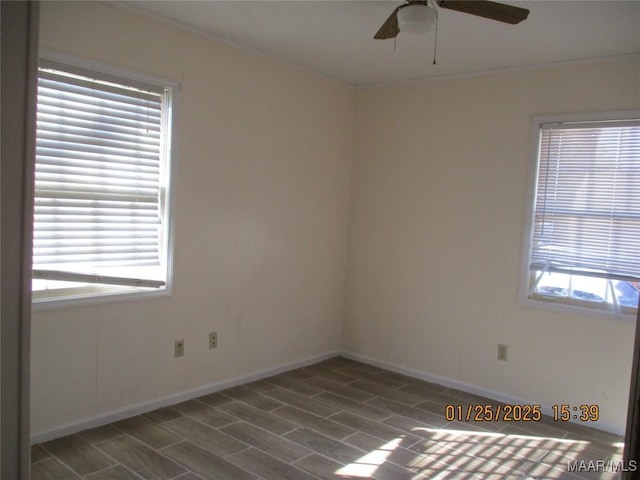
(587, 211)
(626, 293)
(584, 246)
(590, 289)
(554, 284)
(101, 159)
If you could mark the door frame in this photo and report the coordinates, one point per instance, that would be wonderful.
(18, 88)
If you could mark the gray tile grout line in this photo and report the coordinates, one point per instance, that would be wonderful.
(314, 452)
(59, 460)
(292, 464)
(118, 464)
(186, 440)
(183, 475)
(156, 450)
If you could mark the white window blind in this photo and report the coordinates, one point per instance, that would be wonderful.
(587, 207)
(100, 180)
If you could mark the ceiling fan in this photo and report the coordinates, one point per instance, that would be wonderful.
(417, 16)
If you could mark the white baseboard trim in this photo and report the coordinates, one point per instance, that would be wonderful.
(147, 406)
(470, 388)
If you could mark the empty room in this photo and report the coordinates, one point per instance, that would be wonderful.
(334, 240)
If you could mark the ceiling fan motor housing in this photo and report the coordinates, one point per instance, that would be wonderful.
(416, 18)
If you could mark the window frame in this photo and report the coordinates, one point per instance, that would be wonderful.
(560, 304)
(94, 294)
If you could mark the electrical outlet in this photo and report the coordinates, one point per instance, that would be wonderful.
(502, 352)
(178, 349)
(213, 340)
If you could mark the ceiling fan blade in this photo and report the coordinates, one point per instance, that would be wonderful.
(492, 10)
(389, 28)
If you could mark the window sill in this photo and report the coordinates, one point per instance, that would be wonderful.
(578, 308)
(81, 298)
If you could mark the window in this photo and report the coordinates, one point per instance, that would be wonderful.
(584, 243)
(101, 223)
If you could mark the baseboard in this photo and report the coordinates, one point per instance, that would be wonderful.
(470, 388)
(147, 406)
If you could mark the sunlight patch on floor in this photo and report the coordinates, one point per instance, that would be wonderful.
(367, 465)
(448, 453)
(484, 452)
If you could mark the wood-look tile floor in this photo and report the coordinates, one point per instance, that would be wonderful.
(338, 419)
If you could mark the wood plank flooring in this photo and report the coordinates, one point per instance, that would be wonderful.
(338, 419)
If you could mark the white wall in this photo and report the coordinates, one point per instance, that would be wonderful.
(263, 157)
(436, 227)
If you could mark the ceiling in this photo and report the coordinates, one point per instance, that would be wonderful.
(335, 38)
